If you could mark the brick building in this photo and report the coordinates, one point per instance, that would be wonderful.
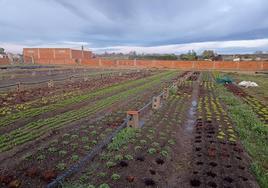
(55, 55)
(4, 59)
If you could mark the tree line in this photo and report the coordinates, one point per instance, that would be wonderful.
(190, 56)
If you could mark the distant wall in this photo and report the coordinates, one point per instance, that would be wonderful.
(185, 65)
(4, 61)
(55, 55)
(68, 56)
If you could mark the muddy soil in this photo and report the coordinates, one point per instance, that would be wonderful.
(30, 94)
(37, 180)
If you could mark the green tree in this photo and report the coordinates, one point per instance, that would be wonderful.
(208, 54)
(190, 56)
(2, 50)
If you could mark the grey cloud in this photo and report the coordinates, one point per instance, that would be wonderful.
(133, 22)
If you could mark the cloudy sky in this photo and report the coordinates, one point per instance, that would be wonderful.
(161, 26)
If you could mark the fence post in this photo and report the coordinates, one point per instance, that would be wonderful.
(18, 87)
(156, 104)
(71, 79)
(165, 93)
(85, 78)
(134, 119)
(50, 83)
(49, 72)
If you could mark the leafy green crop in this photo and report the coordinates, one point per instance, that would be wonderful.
(252, 132)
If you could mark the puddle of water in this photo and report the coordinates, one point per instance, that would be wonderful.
(191, 116)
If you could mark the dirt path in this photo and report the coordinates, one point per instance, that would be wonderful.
(182, 162)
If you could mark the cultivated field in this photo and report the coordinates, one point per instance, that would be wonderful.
(68, 127)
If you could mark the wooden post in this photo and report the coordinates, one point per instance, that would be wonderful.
(156, 103)
(32, 58)
(71, 79)
(134, 119)
(166, 93)
(18, 87)
(54, 53)
(85, 78)
(100, 63)
(50, 83)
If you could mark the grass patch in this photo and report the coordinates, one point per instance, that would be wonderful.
(252, 132)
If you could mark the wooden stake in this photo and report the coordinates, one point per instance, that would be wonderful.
(156, 103)
(134, 119)
(18, 87)
(50, 83)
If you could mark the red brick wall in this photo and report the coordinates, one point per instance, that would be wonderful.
(62, 53)
(4, 61)
(68, 56)
(226, 65)
(185, 65)
(87, 55)
(54, 55)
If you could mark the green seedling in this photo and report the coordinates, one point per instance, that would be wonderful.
(102, 174)
(143, 142)
(61, 166)
(40, 157)
(84, 139)
(94, 142)
(110, 164)
(52, 150)
(118, 157)
(115, 177)
(164, 153)
(151, 151)
(104, 185)
(74, 136)
(138, 148)
(62, 152)
(93, 133)
(75, 157)
(128, 157)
